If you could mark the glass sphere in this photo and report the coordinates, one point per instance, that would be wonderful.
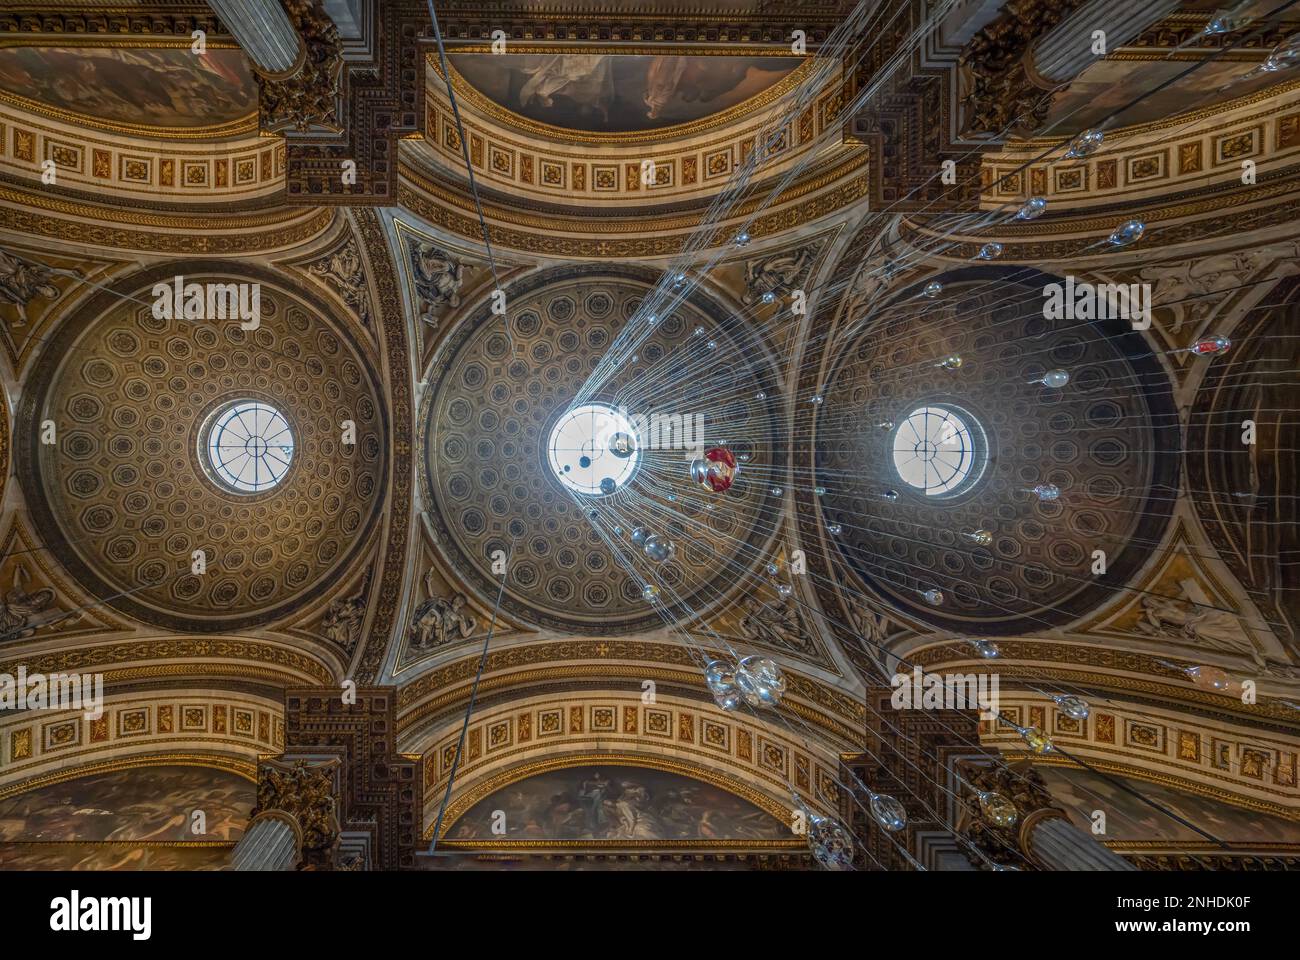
(777, 491)
(742, 239)
(889, 813)
(650, 592)
(1074, 707)
(1035, 739)
(1209, 678)
(981, 537)
(820, 491)
(761, 395)
(639, 535)
(985, 648)
(1210, 345)
(932, 289)
(622, 445)
(952, 362)
(1284, 56)
(760, 681)
(721, 681)
(1085, 144)
(990, 251)
(933, 597)
(608, 485)
(1032, 209)
(659, 548)
(816, 400)
(1128, 232)
(784, 589)
(831, 844)
(890, 495)
(997, 809)
(773, 569)
(1046, 491)
(834, 529)
(1056, 379)
(768, 296)
(716, 470)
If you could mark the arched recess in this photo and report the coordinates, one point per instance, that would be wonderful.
(1247, 496)
(161, 811)
(756, 761)
(1100, 441)
(224, 728)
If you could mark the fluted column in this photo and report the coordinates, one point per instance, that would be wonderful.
(263, 31)
(1059, 845)
(1066, 50)
(272, 842)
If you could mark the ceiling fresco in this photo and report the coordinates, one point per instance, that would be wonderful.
(159, 88)
(607, 93)
(616, 803)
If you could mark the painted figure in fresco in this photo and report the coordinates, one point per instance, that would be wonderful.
(586, 80)
(594, 792)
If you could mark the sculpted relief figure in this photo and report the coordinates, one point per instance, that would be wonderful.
(21, 281)
(438, 276)
(777, 274)
(1186, 285)
(18, 607)
(438, 621)
(1208, 628)
(777, 624)
(342, 621)
(342, 269)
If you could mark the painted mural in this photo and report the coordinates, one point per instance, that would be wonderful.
(607, 93)
(164, 88)
(1127, 818)
(617, 803)
(1106, 87)
(99, 856)
(147, 804)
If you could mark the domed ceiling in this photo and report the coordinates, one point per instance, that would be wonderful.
(1104, 443)
(604, 93)
(487, 418)
(126, 491)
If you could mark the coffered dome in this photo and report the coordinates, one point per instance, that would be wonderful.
(489, 414)
(132, 486)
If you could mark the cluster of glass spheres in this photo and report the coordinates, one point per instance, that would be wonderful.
(757, 681)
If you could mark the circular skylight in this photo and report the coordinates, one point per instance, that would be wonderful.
(939, 450)
(247, 446)
(591, 444)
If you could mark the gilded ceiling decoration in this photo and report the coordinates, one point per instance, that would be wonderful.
(492, 402)
(406, 568)
(1102, 442)
(128, 389)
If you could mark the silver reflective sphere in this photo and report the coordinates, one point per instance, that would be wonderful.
(831, 844)
(639, 535)
(608, 485)
(889, 813)
(1056, 379)
(659, 548)
(761, 681)
(1073, 707)
(622, 445)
